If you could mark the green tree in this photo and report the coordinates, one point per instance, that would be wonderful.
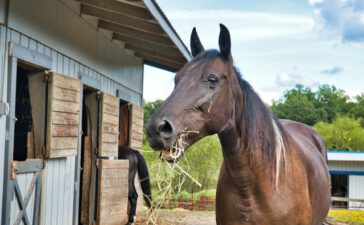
(357, 109)
(331, 102)
(345, 133)
(150, 108)
(297, 104)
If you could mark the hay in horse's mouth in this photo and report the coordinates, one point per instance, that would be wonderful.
(167, 185)
(178, 147)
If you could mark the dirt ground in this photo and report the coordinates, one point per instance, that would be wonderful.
(185, 217)
(182, 217)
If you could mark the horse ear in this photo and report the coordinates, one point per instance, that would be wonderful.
(224, 42)
(196, 46)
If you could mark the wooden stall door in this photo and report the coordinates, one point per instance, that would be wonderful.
(113, 192)
(108, 126)
(27, 180)
(136, 127)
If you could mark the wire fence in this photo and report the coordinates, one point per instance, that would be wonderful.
(206, 203)
(192, 203)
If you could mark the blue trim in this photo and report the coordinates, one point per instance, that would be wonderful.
(346, 152)
(349, 172)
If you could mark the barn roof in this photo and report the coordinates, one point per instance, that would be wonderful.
(345, 156)
(143, 28)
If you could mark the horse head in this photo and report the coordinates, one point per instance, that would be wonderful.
(202, 103)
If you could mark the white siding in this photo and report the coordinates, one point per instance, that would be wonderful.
(2, 118)
(60, 26)
(356, 190)
(24, 181)
(2, 18)
(71, 67)
(59, 191)
(346, 166)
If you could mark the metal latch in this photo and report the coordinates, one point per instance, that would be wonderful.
(4, 108)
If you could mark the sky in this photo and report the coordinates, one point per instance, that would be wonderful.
(275, 44)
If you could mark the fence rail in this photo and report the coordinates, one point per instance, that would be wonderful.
(205, 203)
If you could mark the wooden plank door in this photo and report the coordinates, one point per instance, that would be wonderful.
(108, 126)
(27, 180)
(136, 127)
(113, 192)
(63, 116)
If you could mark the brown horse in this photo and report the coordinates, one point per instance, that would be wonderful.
(273, 172)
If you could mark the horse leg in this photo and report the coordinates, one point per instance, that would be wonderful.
(133, 197)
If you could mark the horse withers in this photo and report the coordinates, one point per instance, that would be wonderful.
(273, 171)
(138, 164)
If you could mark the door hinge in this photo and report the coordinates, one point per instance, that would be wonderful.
(4, 108)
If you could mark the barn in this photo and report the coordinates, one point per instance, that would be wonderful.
(347, 179)
(71, 92)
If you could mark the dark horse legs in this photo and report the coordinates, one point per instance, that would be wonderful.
(136, 163)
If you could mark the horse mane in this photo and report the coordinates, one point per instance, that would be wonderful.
(260, 128)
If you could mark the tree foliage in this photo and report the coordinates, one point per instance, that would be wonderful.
(344, 133)
(304, 105)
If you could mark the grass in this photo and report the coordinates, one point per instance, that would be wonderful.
(347, 216)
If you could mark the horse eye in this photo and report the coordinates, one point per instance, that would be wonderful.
(213, 79)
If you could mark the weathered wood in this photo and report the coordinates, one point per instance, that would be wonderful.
(64, 130)
(63, 106)
(110, 128)
(170, 50)
(64, 118)
(30, 145)
(64, 82)
(86, 171)
(124, 125)
(119, 7)
(59, 143)
(37, 93)
(135, 33)
(121, 19)
(136, 129)
(63, 115)
(162, 61)
(113, 192)
(110, 138)
(92, 104)
(111, 110)
(57, 153)
(108, 118)
(66, 95)
(155, 53)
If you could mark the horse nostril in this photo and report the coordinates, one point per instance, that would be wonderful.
(165, 128)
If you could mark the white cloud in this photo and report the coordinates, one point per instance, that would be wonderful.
(245, 25)
(289, 79)
(340, 18)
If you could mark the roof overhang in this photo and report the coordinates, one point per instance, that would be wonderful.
(346, 156)
(143, 28)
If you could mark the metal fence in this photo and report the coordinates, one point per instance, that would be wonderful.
(205, 203)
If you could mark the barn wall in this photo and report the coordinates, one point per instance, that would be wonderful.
(2, 11)
(2, 118)
(59, 177)
(346, 166)
(58, 24)
(356, 190)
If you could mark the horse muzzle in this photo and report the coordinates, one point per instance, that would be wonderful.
(160, 134)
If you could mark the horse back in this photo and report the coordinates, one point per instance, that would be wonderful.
(307, 149)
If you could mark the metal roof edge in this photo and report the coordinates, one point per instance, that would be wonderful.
(158, 14)
(345, 156)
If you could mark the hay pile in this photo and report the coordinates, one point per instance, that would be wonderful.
(168, 173)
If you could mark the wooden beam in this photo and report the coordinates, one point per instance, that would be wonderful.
(121, 19)
(155, 53)
(147, 45)
(135, 33)
(120, 7)
(176, 65)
